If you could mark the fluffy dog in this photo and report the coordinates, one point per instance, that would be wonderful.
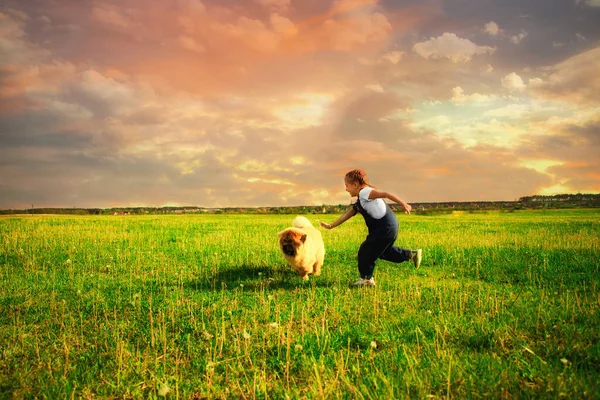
(303, 248)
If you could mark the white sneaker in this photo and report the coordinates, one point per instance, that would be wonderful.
(416, 256)
(365, 282)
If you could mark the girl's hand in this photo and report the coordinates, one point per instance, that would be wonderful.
(325, 225)
(407, 208)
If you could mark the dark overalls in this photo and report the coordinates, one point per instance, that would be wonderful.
(379, 242)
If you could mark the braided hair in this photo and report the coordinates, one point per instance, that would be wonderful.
(357, 176)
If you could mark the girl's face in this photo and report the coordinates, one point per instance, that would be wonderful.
(352, 188)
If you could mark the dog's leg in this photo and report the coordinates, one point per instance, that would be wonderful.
(317, 267)
(303, 273)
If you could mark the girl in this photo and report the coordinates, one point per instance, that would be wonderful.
(382, 224)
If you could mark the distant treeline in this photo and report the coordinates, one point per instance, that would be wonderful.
(578, 200)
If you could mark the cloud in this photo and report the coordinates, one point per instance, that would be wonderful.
(375, 87)
(283, 26)
(259, 104)
(356, 31)
(374, 105)
(105, 97)
(516, 39)
(16, 15)
(111, 15)
(512, 111)
(572, 147)
(280, 6)
(393, 57)
(193, 7)
(191, 44)
(513, 82)
(491, 28)
(450, 46)
(306, 109)
(15, 45)
(459, 97)
(252, 32)
(44, 19)
(589, 3)
(574, 80)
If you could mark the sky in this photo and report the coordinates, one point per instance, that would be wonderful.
(252, 103)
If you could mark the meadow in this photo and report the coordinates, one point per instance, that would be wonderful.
(505, 305)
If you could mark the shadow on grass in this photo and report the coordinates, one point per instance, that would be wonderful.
(253, 278)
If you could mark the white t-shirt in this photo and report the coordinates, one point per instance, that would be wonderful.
(375, 207)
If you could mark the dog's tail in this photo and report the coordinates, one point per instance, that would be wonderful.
(301, 222)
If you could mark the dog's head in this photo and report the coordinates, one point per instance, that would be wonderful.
(290, 240)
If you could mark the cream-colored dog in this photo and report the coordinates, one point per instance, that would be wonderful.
(303, 248)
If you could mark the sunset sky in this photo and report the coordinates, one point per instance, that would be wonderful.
(225, 103)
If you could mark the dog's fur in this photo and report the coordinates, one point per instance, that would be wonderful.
(303, 248)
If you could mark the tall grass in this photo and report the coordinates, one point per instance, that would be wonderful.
(204, 306)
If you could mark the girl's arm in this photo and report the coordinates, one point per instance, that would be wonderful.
(376, 194)
(349, 214)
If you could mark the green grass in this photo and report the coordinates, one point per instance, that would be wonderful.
(505, 305)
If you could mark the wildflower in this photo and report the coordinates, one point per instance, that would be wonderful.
(298, 347)
(246, 335)
(164, 390)
(564, 361)
(373, 344)
(274, 325)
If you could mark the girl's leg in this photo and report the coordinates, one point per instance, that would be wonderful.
(372, 249)
(396, 254)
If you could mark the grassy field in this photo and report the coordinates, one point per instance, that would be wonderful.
(505, 305)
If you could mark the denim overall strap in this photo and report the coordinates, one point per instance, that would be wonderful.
(386, 226)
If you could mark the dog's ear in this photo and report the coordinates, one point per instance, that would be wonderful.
(303, 238)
